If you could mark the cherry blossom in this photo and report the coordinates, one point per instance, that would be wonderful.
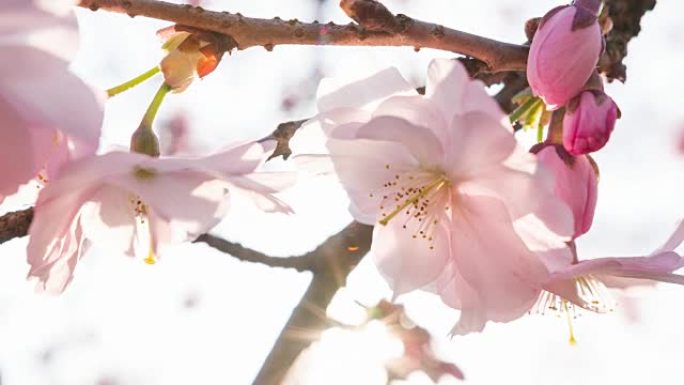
(584, 283)
(49, 115)
(452, 194)
(119, 199)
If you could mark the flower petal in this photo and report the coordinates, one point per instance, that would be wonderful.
(418, 110)
(47, 95)
(17, 164)
(362, 166)
(477, 142)
(405, 256)
(419, 140)
(493, 260)
(361, 93)
(452, 90)
(108, 218)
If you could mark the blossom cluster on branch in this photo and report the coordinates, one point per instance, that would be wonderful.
(459, 207)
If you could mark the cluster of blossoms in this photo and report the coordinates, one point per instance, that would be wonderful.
(460, 208)
(133, 202)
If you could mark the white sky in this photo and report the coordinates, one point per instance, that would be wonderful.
(126, 322)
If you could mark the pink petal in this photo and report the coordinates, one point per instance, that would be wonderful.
(259, 188)
(493, 260)
(202, 197)
(55, 238)
(362, 92)
(478, 141)
(108, 218)
(17, 164)
(419, 140)
(452, 90)
(409, 262)
(24, 16)
(48, 96)
(418, 110)
(361, 165)
(455, 292)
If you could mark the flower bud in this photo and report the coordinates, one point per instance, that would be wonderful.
(190, 55)
(576, 180)
(563, 54)
(588, 122)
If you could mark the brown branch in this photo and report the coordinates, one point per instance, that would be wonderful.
(15, 224)
(299, 263)
(626, 18)
(335, 259)
(249, 32)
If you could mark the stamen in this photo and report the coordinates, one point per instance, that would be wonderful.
(151, 258)
(414, 199)
(571, 340)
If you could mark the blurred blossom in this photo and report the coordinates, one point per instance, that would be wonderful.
(50, 116)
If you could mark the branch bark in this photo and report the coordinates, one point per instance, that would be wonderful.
(15, 224)
(626, 18)
(249, 32)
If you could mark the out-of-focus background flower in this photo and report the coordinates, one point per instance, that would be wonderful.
(199, 316)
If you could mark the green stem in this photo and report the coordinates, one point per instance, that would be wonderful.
(133, 82)
(530, 104)
(151, 112)
(540, 133)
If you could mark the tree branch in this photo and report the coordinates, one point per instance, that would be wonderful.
(334, 260)
(15, 224)
(626, 18)
(299, 263)
(249, 32)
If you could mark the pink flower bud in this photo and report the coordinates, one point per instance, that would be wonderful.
(563, 54)
(576, 181)
(588, 122)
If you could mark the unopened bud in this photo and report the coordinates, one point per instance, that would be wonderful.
(563, 54)
(589, 120)
(576, 182)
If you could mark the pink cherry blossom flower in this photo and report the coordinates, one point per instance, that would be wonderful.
(119, 198)
(564, 52)
(588, 122)
(576, 183)
(447, 185)
(49, 115)
(585, 283)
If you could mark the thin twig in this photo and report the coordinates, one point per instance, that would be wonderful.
(249, 32)
(299, 263)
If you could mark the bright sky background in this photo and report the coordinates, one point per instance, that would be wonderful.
(201, 317)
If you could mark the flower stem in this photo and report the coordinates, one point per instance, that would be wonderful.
(530, 105)
(133, 82)
(151, 112)
(144, 140)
